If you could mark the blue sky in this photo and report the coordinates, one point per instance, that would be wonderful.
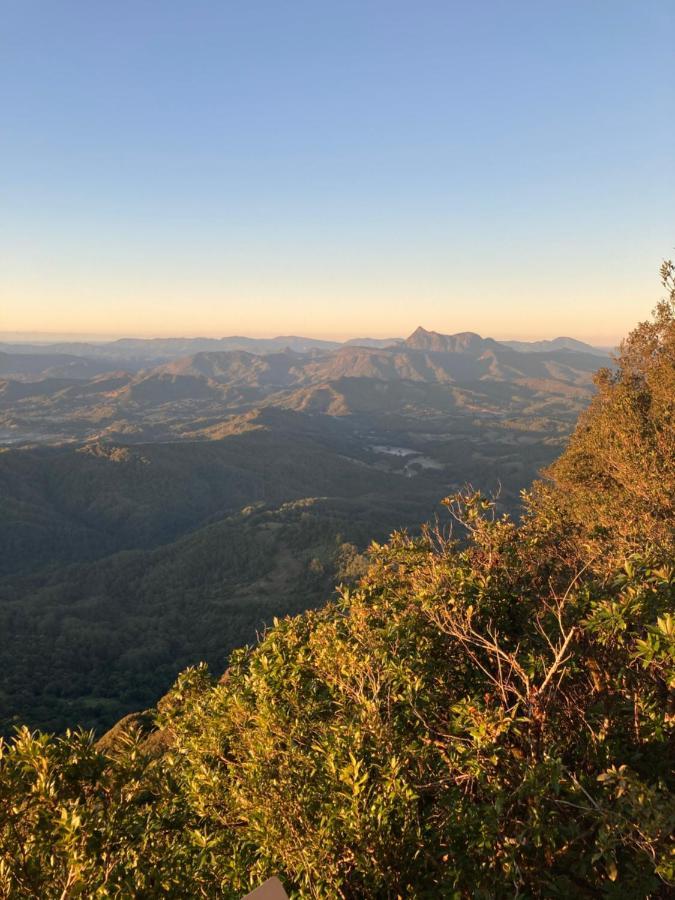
(335, 168)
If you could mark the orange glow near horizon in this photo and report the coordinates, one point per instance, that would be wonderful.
(344, 311)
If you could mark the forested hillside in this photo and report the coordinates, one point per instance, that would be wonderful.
(487, 713)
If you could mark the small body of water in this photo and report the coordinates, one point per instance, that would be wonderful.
(393, 451)
(414, 460)
(426, 462)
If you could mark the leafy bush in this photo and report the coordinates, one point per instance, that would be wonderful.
(616, 480)
(463, 724)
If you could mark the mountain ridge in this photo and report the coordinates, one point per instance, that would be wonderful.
(139, 352)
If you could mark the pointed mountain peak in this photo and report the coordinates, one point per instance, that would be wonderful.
(419, 332)
(465, 342)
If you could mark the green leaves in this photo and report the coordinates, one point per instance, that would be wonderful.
(658, 647)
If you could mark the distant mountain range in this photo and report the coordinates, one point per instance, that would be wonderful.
(141, 351)
(136, 353)
(559, 343)
(55, 396)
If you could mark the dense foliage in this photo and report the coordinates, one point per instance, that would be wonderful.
(490, 717)
(616, 480)
(89, 644)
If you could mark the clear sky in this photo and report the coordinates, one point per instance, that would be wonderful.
(335, 168)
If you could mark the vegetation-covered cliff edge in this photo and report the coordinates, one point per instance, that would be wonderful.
(490, 717)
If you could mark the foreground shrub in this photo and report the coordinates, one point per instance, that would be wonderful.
(453, 728)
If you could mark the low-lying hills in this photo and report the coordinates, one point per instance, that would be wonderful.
(48, 365)
(191, 394)
(239, 367)
(162, 349)
(559, 343)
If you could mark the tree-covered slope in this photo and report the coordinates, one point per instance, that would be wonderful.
(88, 643)
(68, 504)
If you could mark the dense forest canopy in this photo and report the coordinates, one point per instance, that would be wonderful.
(481, 717)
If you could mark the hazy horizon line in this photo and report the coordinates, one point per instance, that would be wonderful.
(56, 337)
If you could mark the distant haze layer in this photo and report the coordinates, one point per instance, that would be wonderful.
(50, 338)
